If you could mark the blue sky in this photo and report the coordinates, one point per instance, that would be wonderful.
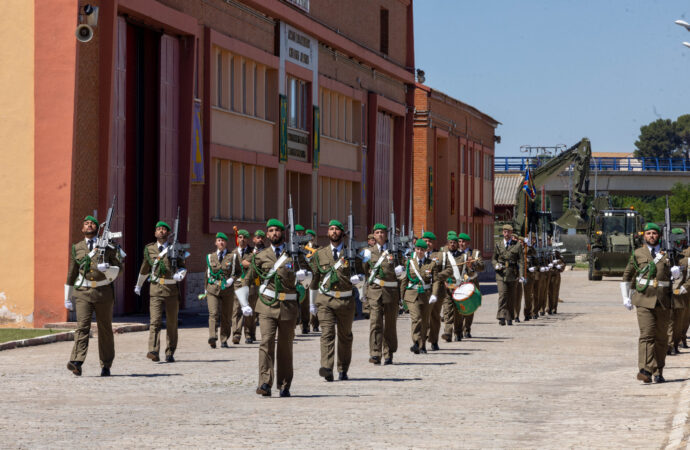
(555, 71)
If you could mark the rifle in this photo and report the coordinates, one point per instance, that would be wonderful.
(352, 245)
(397, 242)
(667, 246)
(176, 249)
(105, 235)
(294, 241)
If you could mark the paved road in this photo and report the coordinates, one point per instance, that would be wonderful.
(566, 380)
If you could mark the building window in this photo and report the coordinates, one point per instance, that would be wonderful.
(335, 196)
(477, 164)
(488, 238)
(384, 31)
(297, 103)
(462, 158)
(219, 79)
(488, 166)
(241, 191)
(244, 86)
(340, 116)
(232, 83)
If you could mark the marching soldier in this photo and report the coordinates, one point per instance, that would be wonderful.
(647, 285)
(304, 315)
(331, 297)
(531, 310)
(383, 295)
(363, 297)
(543, 283)
(219, 292)
(507, 261)
(472, 265)
(163, 291)
(304, 306)
(556, 266)
(278, 309)
(446, 254)
(680, 296)
(239, 262)
(421, 286)
(434, 324)
(89, 288)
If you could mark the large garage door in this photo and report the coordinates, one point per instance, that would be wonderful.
(169, 127)
(382, 167)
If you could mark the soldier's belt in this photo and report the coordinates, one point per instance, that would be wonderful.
(338, 294)
(164, 281)
(653, 283)
(282, 296)
(414, 286)
(92, 284)
(380, 282)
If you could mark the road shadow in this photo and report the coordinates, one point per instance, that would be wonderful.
(203, 360)
(395, 380)
(327, 395)
(441, 352)
(424, 363)
(147, 375)
(488, 289)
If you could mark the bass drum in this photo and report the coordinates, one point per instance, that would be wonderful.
(467, 298)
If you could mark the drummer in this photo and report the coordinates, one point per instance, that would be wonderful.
(421, 286)
(464, 268)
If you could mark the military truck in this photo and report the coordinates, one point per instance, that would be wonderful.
(613, 235)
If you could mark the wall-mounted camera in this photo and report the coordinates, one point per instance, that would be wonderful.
(88, 20)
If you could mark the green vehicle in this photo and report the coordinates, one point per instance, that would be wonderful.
(613, 235)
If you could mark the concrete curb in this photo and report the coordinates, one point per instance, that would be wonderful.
(118, 327)
(40, 340)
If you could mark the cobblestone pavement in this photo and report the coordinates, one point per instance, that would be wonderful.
(560, 381)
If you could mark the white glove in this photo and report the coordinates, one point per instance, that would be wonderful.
(559, 266)
(137, 290)
(432, 299)
(627, 303)
(68, 297)
(247, 310)
(399, 270)
(140, 283)
(682, 290)
(365, 255)
(675, 272)
(522, 280)
(180, 274)
(532, 269)
(550, 265)
(356, 279)
(301, 275)
(498, 266)
(103, 267)
(230, 281)
(527, 241)
(543, 269)
(242, 295)
(313, 310)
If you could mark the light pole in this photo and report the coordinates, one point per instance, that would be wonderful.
(685, 25)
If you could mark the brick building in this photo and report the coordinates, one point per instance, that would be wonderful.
(453, 163)
(223, 107)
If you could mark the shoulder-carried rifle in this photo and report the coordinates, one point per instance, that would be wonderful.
(105, 236)
(351, 250)
(667, 244)
(176, 249)
(294, 242)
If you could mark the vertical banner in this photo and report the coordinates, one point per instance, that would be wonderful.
(452, 193)
(198, 146)
(282, 151)
(431, 188)
(316, 131)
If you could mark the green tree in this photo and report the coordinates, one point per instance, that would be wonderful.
(658, 139)
(682, 126)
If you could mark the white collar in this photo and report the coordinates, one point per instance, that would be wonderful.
(279, 248)
(219, 253)
(656, 248)
(339, 248)
(382, 247)
(93, 239)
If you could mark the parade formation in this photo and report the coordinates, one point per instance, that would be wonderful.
(283, 280)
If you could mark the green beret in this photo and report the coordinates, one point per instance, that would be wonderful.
(380, 226)
(312, 232)
(452, 236)
(335, 223)
(92, 219)
(678, 231)
(160, 223)
(429, 235)
(260, 233)
(299, 227)
(421, 243)
(275, 223)
(507, 227)
(222, 235)
(244, 233)
(464, 237)
(652, 226)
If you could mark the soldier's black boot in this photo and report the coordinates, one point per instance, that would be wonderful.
(669, 350)
(105, 372)
(435, 347)
(153, 356)
(212, 342)
(415, 349)
(510, 322)
(75, 367)
(388, 361)
(326, 373)
(659, 378)
(342, 376)
(375, 359)
(685, 342)
(644, 376)
(501, 322)
(264, 390)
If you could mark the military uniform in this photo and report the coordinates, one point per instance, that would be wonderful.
(306, 318)
(436, 309)
(543, 286)
(556, 266)
(278, 309)
(509, 256)
(679, 311)
(383, 295)
(164, 294)
(422, 284)
(650, 279)
(531, 310)
(92, 291)
(331, 293)
(239, 321)
(219, 295)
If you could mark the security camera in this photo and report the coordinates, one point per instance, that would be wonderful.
(84, 33)
(91, 13)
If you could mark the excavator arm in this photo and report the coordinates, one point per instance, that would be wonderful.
(578, 156)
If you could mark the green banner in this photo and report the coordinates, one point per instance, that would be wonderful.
(316, 131)
(282, 151)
